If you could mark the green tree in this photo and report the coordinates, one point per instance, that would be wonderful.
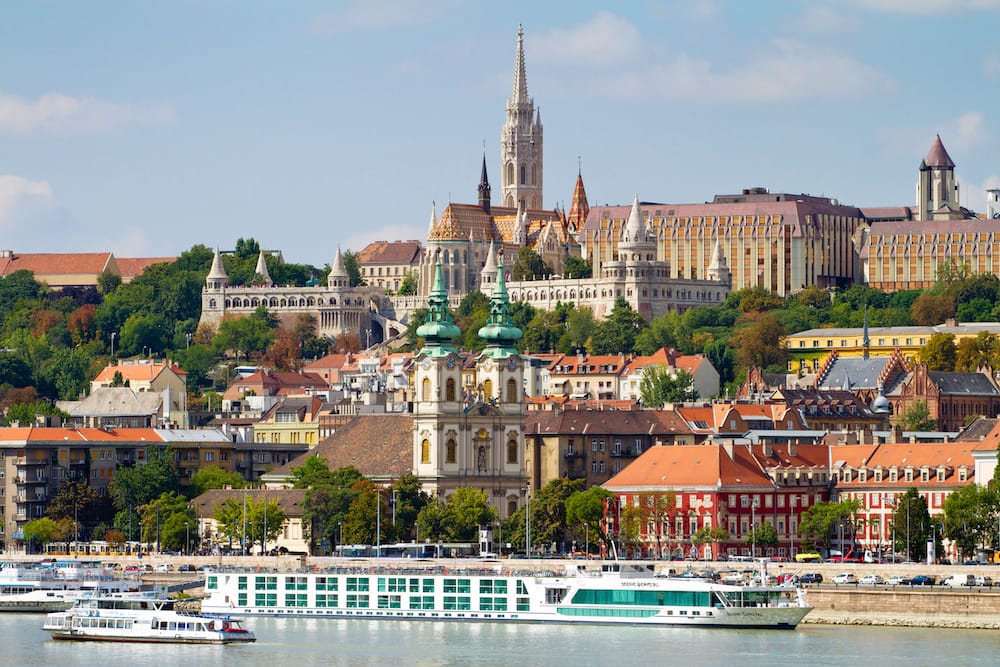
(758, 300)
(409, 285)
(108, 282)
(939, 353)
(617, 333)
(764, 535)
(78, 501)
(826, 519)
(970, 518)
(714, 536)
(918, 418)
(14, 371)
(248, 336)
(661, 384)
(587, 508)
(758, 342)
(214, 477)
(930, 309)
(911, 524)
(529, 265)
(249, 513)
(408, 498)
(141, 331)
(39, 532)
(458, 519)
(577, 267)
(351, 266)
(144, 482)
(362, 525)
(168, 521)
(26, 413)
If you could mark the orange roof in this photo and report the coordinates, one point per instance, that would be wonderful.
(571, 364)
(46, 434)
(56, 264)
(687, 466)
(905, 455)
(389, 252)
(330, 361)
(130, 267)
(139, 372)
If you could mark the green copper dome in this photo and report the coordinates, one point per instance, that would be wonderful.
(499, 331)
(438, 330)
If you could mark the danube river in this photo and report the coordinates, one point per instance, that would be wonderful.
(297, 643)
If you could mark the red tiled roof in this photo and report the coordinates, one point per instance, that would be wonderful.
(389, 252)
(687, 466)
(377, 445)
(56, 264)
(130, 267)
(140, 372)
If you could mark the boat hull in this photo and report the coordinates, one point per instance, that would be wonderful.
(70, 636)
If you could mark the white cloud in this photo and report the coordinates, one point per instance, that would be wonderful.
(969, 130)
(822, 19)
(788, 70)
(18, 195)
(603, 41)
(928, 6)
(55, 113)
(991, 67)
(376, 15)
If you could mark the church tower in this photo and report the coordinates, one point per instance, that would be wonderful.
(937, 189)
(521, 142)
(484, 188)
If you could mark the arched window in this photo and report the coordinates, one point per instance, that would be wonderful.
(425, 390)
(511, 507)
(512, 451)
(523, 172)
(487, 389)
(449, 390)
(425, 451)
(512, 391)
(451, 452)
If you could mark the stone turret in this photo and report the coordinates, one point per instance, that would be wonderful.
(260, 275)
(217, 278)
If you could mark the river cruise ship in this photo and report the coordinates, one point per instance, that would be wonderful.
(55, 586)
(610, 594)
(137, 618)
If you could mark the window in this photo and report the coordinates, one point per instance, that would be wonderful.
(425, 451)
(512, 451)
(449, 389)
(512, 393)
(425, 389)
(451, 451)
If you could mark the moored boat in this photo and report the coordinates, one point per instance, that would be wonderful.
(56, 586)
(135, 618)
(616, 593)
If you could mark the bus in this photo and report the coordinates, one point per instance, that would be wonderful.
(409, 550)
(808, 558)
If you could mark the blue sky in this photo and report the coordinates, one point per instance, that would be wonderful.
(148, 127)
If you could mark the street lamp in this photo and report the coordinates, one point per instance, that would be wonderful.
(188, 337)
(113, 334)
(753, 530)
(527, 524)
(378, 523)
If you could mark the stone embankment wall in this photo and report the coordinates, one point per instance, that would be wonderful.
(974, 608)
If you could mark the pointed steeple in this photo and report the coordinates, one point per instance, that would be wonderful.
(484, 187)
(434, 219)
(499, 331)
(718, 268)
(865, 340)
(338, 272)
(491, 259)
(217, 277)
(937, 156)
(520, 95)
(261, 276)
(488, 276)
(438, 329)
(579, 208)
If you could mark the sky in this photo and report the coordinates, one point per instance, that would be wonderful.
(145, 128)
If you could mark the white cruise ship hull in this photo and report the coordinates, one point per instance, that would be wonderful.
(501, 595)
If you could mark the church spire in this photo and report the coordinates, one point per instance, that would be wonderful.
(484, 187)
(520, 78)
(438, 330)
(434, 219)
(579, 208)
(499, 331)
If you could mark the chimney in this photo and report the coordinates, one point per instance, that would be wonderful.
(728, 446)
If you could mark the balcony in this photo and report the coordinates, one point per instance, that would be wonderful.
(576, 474)
(630, 452)
(20, 479)
(575, 455)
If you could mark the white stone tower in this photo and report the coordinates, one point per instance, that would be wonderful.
(521, 142)
(993, 203)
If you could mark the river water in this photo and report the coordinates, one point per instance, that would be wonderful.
(357, 643)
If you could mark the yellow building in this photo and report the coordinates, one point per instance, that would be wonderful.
(293, 420)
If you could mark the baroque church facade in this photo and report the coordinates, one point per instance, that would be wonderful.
(470, 436)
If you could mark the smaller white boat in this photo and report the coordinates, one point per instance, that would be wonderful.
(134, 618)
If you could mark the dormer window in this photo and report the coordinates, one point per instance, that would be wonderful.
(940, 474)
(893, 475)
(925, 475)
(963, 474)
(878, 475)
(909, 474)
(863, 475)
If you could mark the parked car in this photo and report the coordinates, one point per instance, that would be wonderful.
(811, 578)
(982, 580)
(186, 567)
(131, 569)
(845, 578)
(923, 580)
(959, 581)
(164, 567)
(899, 580)
(871, 580)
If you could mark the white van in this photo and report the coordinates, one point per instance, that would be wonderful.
(959, 581)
